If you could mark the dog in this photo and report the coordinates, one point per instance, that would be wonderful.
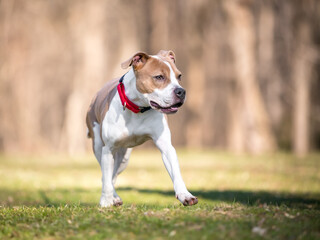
(128, 111)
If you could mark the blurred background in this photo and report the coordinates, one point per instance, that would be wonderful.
(251, 70)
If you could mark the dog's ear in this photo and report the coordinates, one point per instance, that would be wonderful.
(168, 54)
(137, 61)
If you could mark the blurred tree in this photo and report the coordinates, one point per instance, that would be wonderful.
(304, 58)
(250, 127)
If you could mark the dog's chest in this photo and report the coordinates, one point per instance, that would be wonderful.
(133, 132)
(123, 129)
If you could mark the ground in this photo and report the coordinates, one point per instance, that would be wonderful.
(240, 197)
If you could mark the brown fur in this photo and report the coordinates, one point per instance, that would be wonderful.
(100, 104)
(145, 81)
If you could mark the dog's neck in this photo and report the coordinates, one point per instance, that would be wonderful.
(130, 84)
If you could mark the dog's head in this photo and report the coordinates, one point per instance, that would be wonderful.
(157, 78)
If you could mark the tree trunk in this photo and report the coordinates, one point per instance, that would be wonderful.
(89, 47)
(257, 136)
(302, 71)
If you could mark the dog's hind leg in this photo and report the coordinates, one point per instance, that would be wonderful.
(121, 160)
(97, 141)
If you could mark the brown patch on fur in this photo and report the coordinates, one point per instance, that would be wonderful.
(145, 76)
(137, 61)
(100, 105)
(176, 71)
(170, 57)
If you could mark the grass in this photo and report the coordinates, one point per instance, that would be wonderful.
(240, 197)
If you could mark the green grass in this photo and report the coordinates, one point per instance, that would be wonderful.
(240, 197)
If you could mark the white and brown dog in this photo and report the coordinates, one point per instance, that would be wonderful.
(127, 112)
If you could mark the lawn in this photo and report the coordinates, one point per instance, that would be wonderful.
(240, 197)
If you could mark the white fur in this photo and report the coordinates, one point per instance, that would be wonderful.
(123, 129)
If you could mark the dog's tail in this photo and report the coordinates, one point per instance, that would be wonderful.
(88, 134)
(88, 122)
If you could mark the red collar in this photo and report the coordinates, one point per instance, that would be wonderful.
(126, 103)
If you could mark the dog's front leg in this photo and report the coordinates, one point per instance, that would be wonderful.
(108, 195)
(170, 159)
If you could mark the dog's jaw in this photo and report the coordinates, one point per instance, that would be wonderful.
(167, 110)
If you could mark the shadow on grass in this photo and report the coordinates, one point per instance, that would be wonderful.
(85, 197)
(249, 198)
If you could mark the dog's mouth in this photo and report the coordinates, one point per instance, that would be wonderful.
(167, 110)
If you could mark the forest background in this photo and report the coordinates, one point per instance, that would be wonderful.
(251, 70)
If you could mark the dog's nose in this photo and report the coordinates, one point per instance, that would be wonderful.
(180, 93)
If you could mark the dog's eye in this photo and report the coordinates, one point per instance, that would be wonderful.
(179, 77)
(159, 77)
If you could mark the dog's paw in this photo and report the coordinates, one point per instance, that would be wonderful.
(117, 201)
(187, 199)
(108, 202)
